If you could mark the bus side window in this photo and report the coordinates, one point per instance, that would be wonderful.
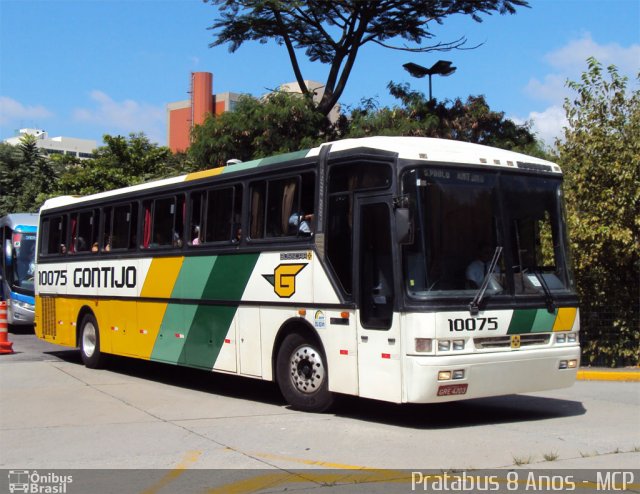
(222, 207)
(258, 193)
(196, 201)
(164, 222)
(283, 207)
(84, 231)
(57, 238)
(106, 229)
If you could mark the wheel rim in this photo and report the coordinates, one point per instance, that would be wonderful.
(89, 339)
(307, 369)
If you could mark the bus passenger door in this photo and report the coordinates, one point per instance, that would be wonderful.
(379, 352)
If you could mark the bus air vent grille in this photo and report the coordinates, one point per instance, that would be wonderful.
(49, 325)
(505, 341)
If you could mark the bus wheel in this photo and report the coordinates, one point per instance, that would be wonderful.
(301, 371)
(90, 342)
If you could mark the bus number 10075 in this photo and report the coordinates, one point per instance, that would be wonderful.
(473, 324)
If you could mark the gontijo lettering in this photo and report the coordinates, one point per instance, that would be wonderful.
(105, 277)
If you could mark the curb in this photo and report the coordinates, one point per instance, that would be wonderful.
(631, 375)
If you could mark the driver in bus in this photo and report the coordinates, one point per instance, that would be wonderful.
(477, 269)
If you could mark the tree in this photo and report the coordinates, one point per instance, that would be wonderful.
(26, 175)
(278, 124)
(10, 178)
(332, 32)
(121, 162)
(469, 121)
(600, 155)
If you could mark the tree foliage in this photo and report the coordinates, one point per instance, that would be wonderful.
(469, 121)
(26, 176)
(333, 32)
(121, 162)
(600, 155)
(281, 123)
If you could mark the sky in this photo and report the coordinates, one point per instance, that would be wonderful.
(85, 68)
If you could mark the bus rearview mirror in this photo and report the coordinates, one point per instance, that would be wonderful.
(404, 226)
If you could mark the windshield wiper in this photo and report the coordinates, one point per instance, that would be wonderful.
(548, 298)
(474, 305)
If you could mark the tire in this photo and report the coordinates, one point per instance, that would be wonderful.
(301, 372)
(92, 357)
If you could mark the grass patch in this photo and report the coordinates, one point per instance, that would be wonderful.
(522, 460)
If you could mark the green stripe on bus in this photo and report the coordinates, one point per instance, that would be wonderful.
(522, 321)
(544, 321)
(532, 321)
(247, 165)
(178, 318)
(229, 277)
(210, 324)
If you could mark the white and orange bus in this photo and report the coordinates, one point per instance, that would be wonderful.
(410, 270)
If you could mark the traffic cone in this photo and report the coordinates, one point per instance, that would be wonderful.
(5, 345)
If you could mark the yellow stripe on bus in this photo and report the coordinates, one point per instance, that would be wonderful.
(566, 318)
(204, 174)
(161, 277)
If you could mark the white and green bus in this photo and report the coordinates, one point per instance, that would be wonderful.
(410, 270)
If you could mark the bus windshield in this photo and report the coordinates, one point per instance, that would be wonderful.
(23, 247)
(460, 219)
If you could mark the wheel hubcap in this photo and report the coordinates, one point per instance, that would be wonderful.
(89, 339)
(307, 370)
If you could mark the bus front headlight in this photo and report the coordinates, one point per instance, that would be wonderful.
(17, 304)
(424, 345)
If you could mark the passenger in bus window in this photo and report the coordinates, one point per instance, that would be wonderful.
(196, 235)
(302, 222)
(177, 240)
(81, 244)
(94, 247)
(238, 236)
(63, 249)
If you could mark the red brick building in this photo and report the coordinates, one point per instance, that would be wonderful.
(183, 115)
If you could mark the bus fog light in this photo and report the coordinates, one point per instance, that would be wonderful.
(458, 374)
(424, 345)
(563, 364)
(572, 364)
(561, 338)
(444, 375)
(458, 344)
(572, 337)
(444, 345)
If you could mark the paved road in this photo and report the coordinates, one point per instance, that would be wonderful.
(56, 414)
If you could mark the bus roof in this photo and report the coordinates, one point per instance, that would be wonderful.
(411, 148)
(20, 222)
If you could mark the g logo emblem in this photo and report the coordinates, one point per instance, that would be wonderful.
(283, 279)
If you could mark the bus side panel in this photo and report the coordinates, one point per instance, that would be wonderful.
(117, 320)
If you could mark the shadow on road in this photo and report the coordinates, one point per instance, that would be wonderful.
(466, 413)
(469, 413)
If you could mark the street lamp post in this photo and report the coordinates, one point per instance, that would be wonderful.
(441, 67)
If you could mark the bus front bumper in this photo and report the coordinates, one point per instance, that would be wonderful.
(488, 374)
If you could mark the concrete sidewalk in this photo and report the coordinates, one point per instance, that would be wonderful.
(628, 374)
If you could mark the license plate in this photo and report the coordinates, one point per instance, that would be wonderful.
(452, 389)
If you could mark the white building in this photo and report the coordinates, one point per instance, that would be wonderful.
(317, 89)
(80, 148)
